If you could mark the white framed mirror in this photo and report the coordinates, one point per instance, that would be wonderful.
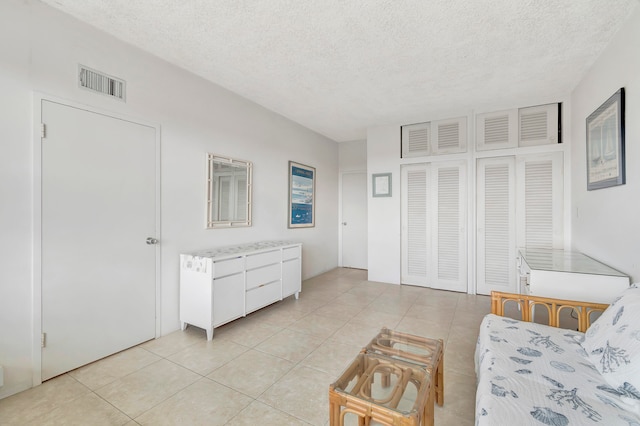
(228, 192)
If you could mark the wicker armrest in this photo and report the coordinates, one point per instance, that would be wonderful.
(526, 305)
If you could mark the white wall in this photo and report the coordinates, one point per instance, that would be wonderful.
(605, 221)
(352, 156)
(383, 156)
(40, 52)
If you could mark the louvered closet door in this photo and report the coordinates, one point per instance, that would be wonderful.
(416, 227)
(496, 225)
(540, 202)
(449, 227)
(434, 241)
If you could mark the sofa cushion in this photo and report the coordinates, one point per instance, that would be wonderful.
(612, 344)
(535, 374)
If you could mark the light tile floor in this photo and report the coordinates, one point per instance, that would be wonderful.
(271, 368)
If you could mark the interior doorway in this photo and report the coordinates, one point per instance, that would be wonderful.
(354, 220)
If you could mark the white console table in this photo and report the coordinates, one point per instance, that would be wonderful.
(226, 283)
(568, 275)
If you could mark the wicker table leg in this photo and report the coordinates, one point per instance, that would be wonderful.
(439, 378)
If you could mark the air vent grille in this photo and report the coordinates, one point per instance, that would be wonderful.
(99, 82)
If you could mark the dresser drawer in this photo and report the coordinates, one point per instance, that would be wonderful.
(262, 296)
(263, 259)
(291, 253)
(222, 268)
(257, 277)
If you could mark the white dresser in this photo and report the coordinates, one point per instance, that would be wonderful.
(226, 283)
(568, 275)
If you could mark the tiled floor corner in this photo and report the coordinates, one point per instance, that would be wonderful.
(270, 368)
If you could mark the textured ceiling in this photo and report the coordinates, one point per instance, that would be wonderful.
(340, 66)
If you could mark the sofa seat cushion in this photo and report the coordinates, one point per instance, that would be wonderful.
(535, 374)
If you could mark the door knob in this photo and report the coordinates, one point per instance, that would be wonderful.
(152, 241)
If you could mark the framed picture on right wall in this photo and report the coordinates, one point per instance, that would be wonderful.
(605, 144)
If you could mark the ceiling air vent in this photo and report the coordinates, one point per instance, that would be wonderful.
(100, 82)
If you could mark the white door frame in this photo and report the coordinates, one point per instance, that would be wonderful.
(340, 201)
(36, 286)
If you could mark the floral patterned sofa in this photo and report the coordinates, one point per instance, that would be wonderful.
(529, 373)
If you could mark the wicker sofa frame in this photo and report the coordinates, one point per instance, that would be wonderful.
(585, 311)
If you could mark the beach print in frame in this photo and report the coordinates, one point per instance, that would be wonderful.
(302, 193)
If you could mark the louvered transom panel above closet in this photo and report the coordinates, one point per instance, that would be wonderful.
(434, 138)
(533, 126)
(496, 130)
(520, 127)
(539, 125)
(416, 140)
(448, 135)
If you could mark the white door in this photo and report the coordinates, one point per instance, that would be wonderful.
(98, 209)
(520, 204)
(415, 205)
(540, 208)
(434, 236)
(354, 220)
(449, 227)
(496, 225)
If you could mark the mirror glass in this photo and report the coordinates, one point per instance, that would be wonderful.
(228, 192)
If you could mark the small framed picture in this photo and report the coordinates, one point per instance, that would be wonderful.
(381, 183)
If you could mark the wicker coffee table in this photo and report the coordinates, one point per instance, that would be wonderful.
(395, 380)
(378, 388)
(422, 350)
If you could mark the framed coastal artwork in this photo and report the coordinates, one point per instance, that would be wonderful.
(302, 195)
(605, 144)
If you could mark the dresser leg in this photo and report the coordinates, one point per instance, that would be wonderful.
(209, 333)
